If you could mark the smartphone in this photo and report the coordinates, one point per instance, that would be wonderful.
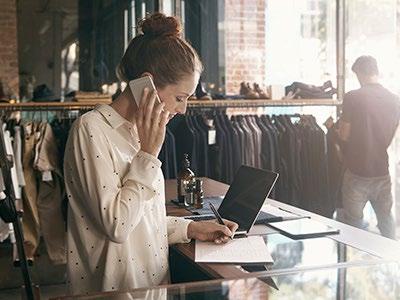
(137, 86)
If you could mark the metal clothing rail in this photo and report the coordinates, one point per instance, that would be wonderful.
(262, 103)
(47, 106)
(192, 104)
(9, 214)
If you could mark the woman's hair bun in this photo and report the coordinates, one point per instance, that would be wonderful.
(159, 24)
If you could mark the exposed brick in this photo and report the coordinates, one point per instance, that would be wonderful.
(8, 44)
(245, 43)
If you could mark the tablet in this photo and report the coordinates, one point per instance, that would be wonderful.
(303, 228)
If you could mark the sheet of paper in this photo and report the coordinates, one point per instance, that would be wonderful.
(243, 250)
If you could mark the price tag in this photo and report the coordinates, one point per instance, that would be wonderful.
(46, 176)
(212, 137)
(28, 130)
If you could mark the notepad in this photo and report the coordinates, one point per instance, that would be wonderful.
(247, 250)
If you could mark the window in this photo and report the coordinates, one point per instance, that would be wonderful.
(268, 42)
(375, 30)
(69, 68)
(300, 41)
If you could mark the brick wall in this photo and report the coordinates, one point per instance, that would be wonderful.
(8, 45)
(244, 43)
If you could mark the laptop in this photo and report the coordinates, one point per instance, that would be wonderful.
(245, 197)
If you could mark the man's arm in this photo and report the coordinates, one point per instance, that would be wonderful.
(344, 130)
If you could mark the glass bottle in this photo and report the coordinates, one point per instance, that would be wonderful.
(185, 179)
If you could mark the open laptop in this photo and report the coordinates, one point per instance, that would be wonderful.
(245, 197)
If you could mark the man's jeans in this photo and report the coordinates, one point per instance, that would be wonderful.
(356, 191)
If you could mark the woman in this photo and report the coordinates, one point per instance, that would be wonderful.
(118, 231)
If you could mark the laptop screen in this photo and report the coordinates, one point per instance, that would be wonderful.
(246, 195)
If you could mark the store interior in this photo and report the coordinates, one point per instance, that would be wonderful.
(281, 64)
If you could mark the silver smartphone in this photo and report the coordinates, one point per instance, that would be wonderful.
(137, 86)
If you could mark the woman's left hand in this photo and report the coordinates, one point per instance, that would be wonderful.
(211, 231)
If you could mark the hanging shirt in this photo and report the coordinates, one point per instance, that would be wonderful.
(13, 170)
(118, 231)
(4, 229)
(17, 147)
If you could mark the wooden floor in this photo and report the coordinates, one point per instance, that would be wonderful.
(46, 292)
(42, 273)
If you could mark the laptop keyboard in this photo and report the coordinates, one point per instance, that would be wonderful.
(205, 213)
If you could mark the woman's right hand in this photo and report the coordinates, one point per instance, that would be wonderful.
(151, 122)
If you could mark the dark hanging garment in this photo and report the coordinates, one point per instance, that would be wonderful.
(335, 168)
(202, 153)
(236, 150)
(171, 156)
(184, 140)
(222, 141)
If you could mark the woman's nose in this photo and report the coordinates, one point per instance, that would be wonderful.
(181, 109)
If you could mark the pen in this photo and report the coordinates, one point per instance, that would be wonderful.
(217, 215)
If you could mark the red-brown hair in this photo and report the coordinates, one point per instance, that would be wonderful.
(159, 50)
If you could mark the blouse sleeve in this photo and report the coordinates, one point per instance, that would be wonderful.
(115, 206)
(177, 230)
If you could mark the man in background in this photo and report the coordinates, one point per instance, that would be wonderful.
(366, 128)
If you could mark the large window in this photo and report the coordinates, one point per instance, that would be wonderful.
(300, 41)
(271, 42)
(374, 29)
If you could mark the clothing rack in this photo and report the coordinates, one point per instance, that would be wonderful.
(12, 215)
(50, 106)
(192, 104)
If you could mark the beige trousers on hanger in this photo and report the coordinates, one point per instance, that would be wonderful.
(30, 219)
(51, 192)
(43, 194)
